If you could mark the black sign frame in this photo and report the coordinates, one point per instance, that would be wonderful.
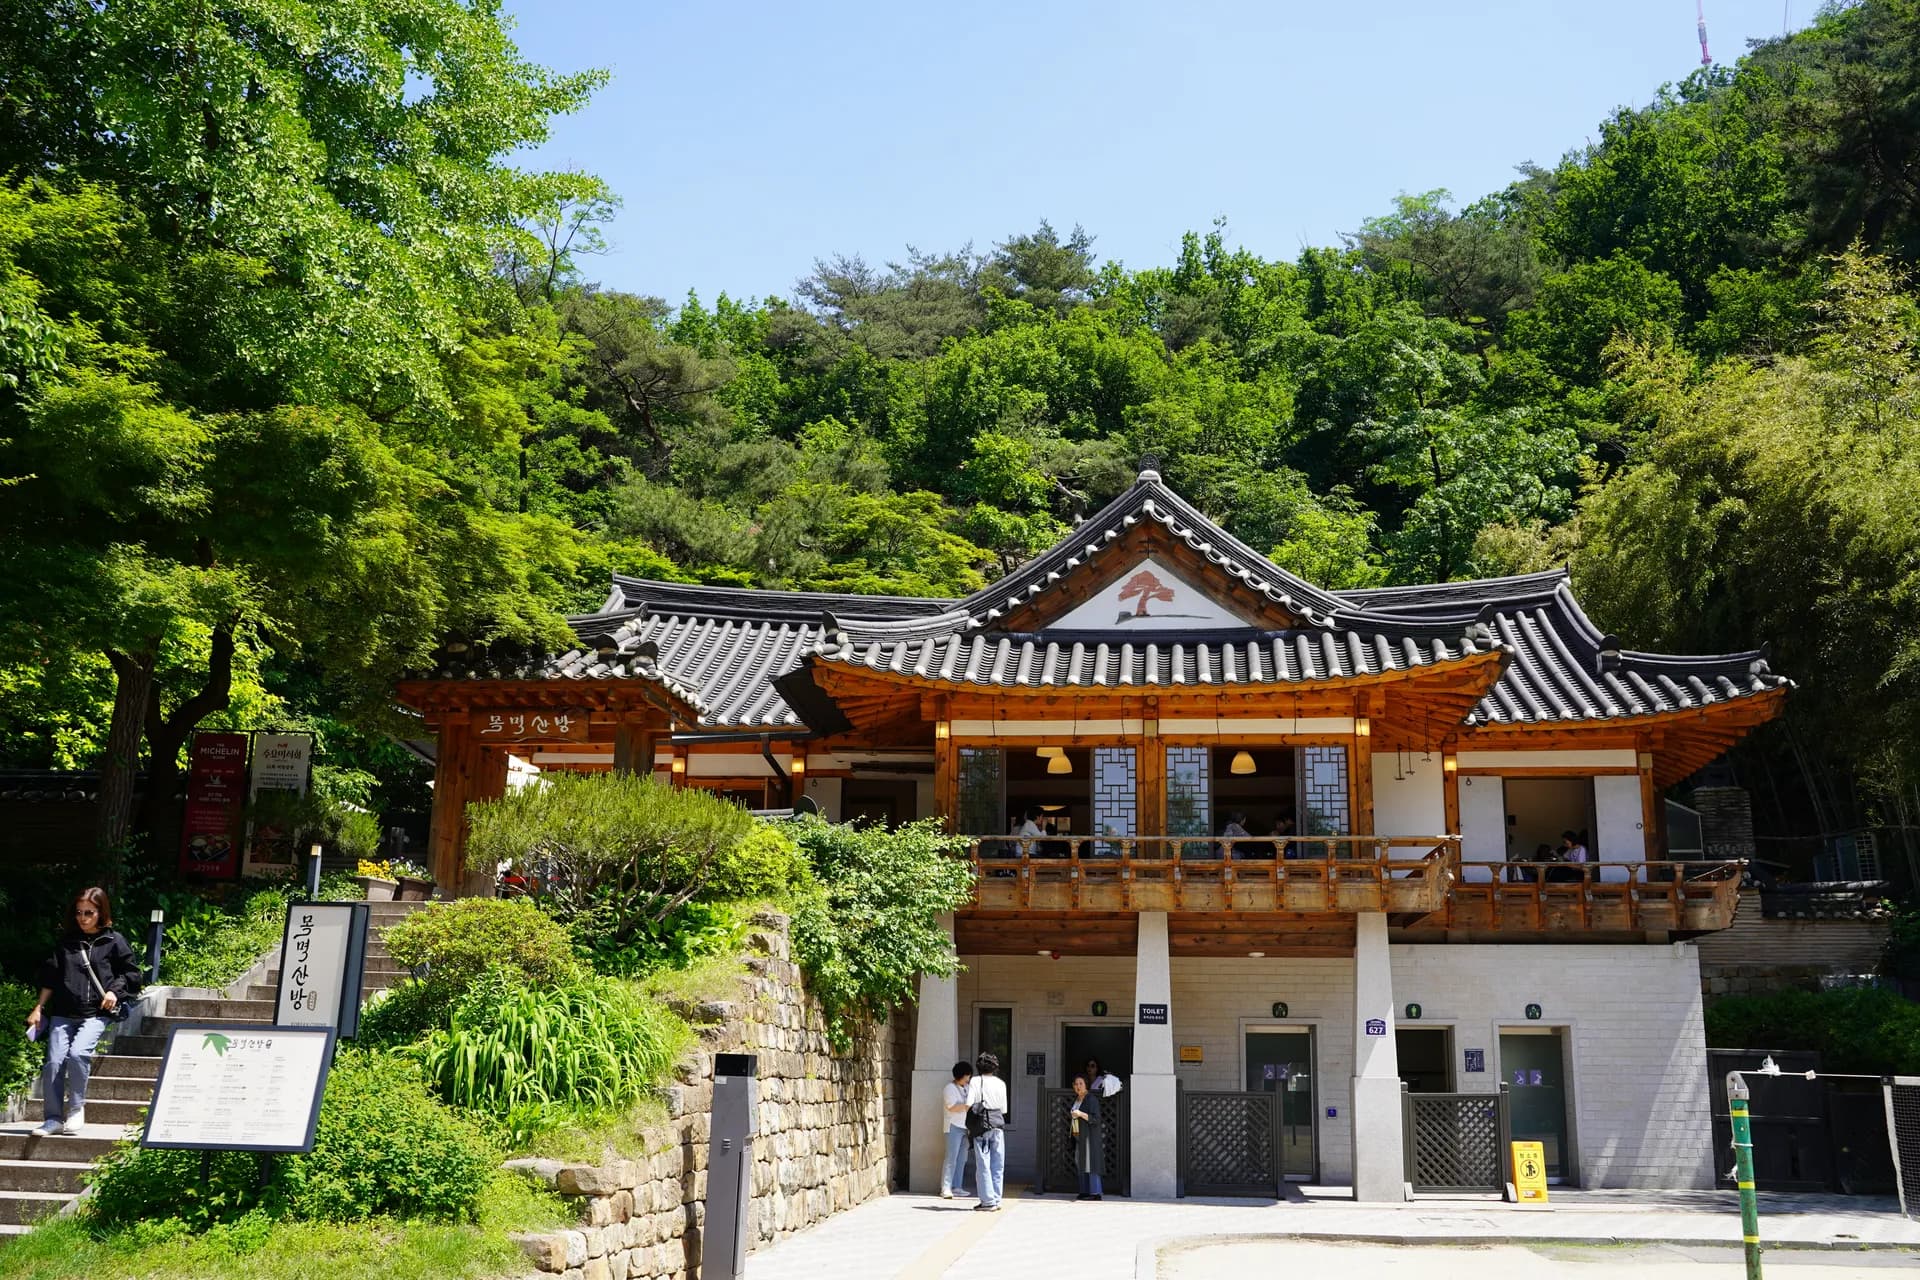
(1155, 1015)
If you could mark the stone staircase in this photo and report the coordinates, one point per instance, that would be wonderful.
(41, 1175)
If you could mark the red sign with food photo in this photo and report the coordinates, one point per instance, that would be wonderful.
(216, 794)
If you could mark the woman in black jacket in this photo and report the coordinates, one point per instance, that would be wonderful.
(88, 976)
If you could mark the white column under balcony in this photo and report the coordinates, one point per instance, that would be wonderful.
(1155, 1100)
(936, 1047)
(1379, 1158)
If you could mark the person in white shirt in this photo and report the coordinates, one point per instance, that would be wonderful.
(954, 1097)
(989, 1145)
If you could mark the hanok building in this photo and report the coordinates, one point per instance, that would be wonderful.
(1265, 850)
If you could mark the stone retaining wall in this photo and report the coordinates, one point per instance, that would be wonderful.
(823, 1136)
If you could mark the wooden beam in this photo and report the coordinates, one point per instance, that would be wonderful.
(1450, 790)
(1651, 809)
(1151, 801)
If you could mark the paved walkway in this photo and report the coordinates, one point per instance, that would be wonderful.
(923, 1237)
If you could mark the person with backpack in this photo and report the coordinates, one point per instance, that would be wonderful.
(953, 1173)
(86, 983)
(986, 1125)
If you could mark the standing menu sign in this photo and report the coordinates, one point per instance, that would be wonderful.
(282, 762)
(322, 955)
(216, 787)
(228, 1089)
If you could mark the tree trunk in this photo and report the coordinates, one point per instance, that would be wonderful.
(132, 690)
(167, 734)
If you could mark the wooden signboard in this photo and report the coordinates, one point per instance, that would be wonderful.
(1530, 1172)
(233, 1089)
(532, 725)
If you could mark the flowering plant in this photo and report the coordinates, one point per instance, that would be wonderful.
(377, 870)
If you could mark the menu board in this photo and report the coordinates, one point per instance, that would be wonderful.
(238, 1089)
(321, 954)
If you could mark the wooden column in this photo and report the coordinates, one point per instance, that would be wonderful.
(946, 773)
(489, 783)
(1360, 775)
(1653, 813)
(1151, 815)
(453, 779)
(1450, 789)
(633, 748)
(677, 767)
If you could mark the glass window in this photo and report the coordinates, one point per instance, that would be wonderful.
(1323, 791)
(995, 1036)
(1190, 794)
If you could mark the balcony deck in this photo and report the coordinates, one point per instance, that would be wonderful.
(1232, 896)
(1343, 875)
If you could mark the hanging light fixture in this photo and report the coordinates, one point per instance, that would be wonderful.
(1242, 763)
(1059, 763)
(1049, 753)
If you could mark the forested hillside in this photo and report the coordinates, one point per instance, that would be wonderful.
(296, 375)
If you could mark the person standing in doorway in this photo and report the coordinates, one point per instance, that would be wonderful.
(86, 979)
(954, 1095)
(1087, 1120)
(986, 1123)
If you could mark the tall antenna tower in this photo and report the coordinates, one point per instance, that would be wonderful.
(1700, 12)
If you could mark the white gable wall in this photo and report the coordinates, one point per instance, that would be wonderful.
(1413, 804)
(1147, 586)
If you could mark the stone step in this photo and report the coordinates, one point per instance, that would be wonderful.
(50, 1177)
(160, 1027)
(95, 1140)
(190, 1007)
(118, 1089)
(99, 1110)
(23, 1208)
(126, 1066)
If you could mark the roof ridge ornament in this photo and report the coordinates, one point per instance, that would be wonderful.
(1149, 467)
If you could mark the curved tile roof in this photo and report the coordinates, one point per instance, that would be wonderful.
(724, 648)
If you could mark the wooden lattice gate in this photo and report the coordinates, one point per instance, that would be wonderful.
(1054, 1165)
(1229, 1144)
(1456, 1142)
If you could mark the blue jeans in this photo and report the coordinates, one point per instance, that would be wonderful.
(1089, 1184)
(953, 1174)
(70, 1043)
(990, 1165)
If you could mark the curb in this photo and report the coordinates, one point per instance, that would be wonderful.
(1146, 1263)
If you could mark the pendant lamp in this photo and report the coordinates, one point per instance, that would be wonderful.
(1049, 753)
(1060, 764)
(1242, 763)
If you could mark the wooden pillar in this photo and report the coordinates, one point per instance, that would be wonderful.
(796, 774)
(1450, 789)
(1151, 816)
(1360, 775)
(489, 783)
(453, 778)
(677, 767)
(1653, 813)
(633, 747)
(946, 774)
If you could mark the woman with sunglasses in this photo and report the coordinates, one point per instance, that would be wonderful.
(90, 974)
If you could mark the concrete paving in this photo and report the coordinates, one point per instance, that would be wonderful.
(1219, 1260)
(922, 1237)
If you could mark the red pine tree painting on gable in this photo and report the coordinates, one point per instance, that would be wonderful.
(1147, 588)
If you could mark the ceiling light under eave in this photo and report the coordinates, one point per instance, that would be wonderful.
(1050, 753)
(1242, 763)
(1059, 764)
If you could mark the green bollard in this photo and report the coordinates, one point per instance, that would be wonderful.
(1743, 1171)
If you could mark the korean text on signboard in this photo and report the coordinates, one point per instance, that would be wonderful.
(230, 1089)
(282, 768)
(320, 956)
(541, 725)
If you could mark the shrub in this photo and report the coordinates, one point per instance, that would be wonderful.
(401, 1015)
(1866, 1029)
(870, 925)
(650, 845)
(19, 1056)
(765, 864)
(514, 1051)
(630, 945)
(460, 940)
(383, 1147)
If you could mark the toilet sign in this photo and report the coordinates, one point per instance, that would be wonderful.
(1153, 1015)
(1530, 1172)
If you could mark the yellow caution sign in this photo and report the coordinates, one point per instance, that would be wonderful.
(1530, 1172)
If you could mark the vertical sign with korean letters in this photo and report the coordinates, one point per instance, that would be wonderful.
(283, 765)
(321, 959)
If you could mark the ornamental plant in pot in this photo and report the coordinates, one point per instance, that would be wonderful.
(415, 881)
(377, 880)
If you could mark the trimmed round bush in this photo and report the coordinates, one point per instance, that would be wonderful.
(460, 940)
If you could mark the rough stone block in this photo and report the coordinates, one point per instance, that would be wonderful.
(547, 1252)
(534, 1169)
(583, 1180)
(596, 1269)
(576, 1248)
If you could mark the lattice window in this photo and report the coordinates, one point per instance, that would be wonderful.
(1116, 794)
(1189, 791)
(1903, 1122)
(982, 801)
(1323, 790)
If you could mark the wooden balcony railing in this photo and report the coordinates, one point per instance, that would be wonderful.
(1340, 874)
(1556, 897)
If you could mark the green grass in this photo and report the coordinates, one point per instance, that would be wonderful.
(711, 979)
(381, 1250)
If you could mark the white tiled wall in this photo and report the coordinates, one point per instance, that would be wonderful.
(1630, 1013)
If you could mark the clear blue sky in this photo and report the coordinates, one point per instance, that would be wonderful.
(746, 140)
